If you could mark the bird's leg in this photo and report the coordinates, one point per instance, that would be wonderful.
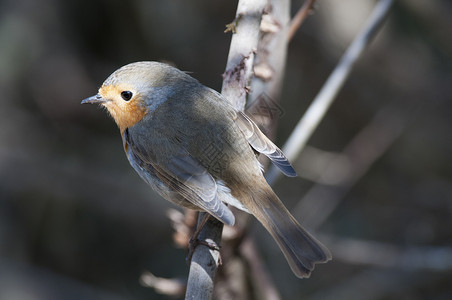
(195, 241)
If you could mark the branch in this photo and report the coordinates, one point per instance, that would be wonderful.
(204, 262)
(299, 18)
(269, 67)
(315, 113)
(245, 38)
(237, 76)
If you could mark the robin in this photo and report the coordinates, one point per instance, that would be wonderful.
(196, 150)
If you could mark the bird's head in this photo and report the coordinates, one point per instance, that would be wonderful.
(135, 90)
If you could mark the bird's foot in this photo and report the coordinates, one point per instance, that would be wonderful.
(193, 243)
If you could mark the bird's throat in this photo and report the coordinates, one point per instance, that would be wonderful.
(127, 115)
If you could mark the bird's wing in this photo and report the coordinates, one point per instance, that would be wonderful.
(263, 144)
(185, 175)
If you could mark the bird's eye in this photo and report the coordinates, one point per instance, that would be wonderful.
(126, 95)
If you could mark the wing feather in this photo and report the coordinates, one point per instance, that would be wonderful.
(186, 176)
(263, 144)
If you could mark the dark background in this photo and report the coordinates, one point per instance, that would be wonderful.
(76, 222)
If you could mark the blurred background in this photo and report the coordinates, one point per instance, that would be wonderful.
(375, 181)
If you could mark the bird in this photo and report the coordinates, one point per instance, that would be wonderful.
(196, 150)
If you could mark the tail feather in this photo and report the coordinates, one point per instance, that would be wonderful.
(300, 248)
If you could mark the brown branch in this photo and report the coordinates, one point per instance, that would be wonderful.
(299, 18)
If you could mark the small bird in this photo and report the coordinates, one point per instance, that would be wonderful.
(196, 150)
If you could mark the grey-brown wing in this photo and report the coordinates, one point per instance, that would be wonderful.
(185, 175)
(263, 144)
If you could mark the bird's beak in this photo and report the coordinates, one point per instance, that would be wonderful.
(94, 99)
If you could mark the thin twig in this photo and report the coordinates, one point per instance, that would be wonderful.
(315, 113)
(299, 18)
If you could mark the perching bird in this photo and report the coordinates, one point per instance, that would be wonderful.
(196, 150)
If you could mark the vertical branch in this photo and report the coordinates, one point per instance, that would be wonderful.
(315, 113)
(204, 262)
(270, 65)
(245, 38)
(237, 76)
